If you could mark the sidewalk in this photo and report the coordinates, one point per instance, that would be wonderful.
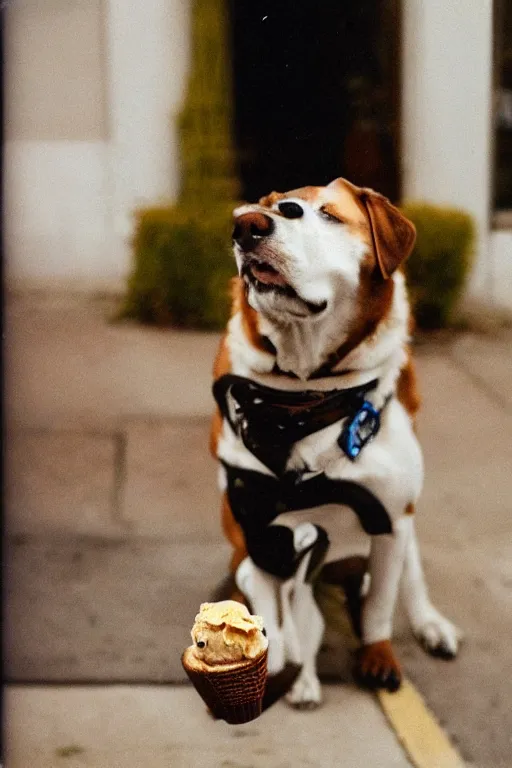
(114, 533)
(155, 727)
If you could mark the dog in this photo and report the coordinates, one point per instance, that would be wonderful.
(315, 425)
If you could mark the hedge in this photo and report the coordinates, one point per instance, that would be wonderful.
(183, 262)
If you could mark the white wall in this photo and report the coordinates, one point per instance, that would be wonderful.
(147, 51)
(447, 111)
(501, 260)
(57, 223)
(94, 87)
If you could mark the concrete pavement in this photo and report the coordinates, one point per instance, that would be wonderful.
(69, 367)
(114, 535)
(164, 727)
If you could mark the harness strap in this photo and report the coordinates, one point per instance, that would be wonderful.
(257, 499)
(270, 421)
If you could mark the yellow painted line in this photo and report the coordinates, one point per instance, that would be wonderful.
(417, 729)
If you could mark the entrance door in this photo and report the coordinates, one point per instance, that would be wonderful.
(316, 91)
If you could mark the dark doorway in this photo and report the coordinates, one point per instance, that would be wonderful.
(316, 92)
(502, 192)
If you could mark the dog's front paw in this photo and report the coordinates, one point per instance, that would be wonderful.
(306, 692)
(377, 666)
(437, 635)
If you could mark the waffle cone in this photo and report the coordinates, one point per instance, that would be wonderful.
(233, 693)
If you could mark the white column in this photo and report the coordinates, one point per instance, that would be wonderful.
(147, 56)
(447, 69)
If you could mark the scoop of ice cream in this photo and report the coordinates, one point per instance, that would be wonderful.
(225, 633)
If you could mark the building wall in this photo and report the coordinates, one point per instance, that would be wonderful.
(56, 126)
(501, 266)
(447, 102)
(54, 82)
(93, 91)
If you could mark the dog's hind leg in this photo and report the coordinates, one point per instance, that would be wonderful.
(435, 633)
(227, 589)
(234, 534)
(309, 626)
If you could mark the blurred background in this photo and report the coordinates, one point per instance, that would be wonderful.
(412, 98)
(131, 129)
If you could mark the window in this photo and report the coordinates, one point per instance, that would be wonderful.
(502, 187)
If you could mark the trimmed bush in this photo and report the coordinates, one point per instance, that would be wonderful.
(440, 262)
(182, 266)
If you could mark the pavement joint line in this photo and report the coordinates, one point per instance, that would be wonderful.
(115, 427)
(44, 431)
(196, 419)
(417, 729)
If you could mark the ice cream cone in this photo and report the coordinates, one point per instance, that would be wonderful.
(233, 692)
(228, 661)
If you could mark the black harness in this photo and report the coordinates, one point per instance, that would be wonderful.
(270, 422)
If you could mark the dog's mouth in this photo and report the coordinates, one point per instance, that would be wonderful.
(265, 278)
(265, 273)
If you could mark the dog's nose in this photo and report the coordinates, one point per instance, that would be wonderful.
(252, 227)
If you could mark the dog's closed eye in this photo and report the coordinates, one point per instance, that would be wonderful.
(328, 212)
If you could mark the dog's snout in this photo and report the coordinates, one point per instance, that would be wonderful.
(251, 227)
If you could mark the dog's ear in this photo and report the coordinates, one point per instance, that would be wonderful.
(393, 235)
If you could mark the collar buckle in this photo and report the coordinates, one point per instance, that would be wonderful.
(357, 432)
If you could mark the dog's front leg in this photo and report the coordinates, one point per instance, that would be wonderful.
(293, 622)
(377, 666)
(309, 626)
(263, 592)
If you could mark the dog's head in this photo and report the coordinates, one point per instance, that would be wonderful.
(316, 251)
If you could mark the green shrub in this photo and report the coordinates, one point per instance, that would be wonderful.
(440, 262)
(182, 266)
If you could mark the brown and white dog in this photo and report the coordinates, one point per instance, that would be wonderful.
(320, 330)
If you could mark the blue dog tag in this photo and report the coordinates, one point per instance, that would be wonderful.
(356, 433)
